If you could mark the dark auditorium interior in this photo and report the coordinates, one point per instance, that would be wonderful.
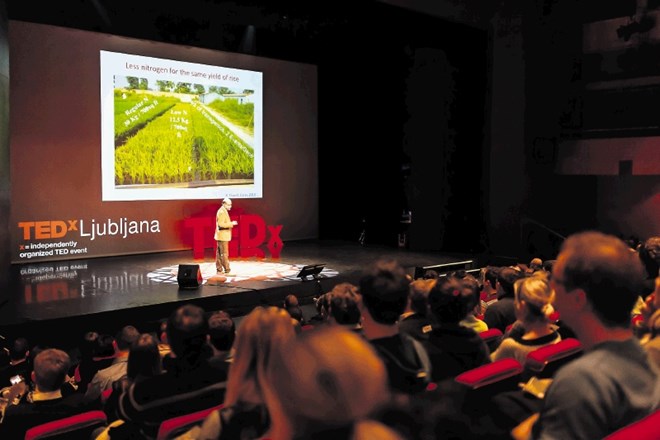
(453, 134)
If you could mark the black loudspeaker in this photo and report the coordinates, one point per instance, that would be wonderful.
(189, 276)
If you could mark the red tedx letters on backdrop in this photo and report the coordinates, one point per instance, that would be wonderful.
(246, 240)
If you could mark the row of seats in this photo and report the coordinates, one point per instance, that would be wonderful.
(504, 374)
(82, 426)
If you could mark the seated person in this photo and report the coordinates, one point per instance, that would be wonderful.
(262, 332)
(19, 364)
(334, 396)
(292, 306)
(597, 280)
(451, 347)
(474, 307)
(533, 329)
(222, 333)
(501, 314)
(46, 402)
(144, 361)
(190, 383)
(104, 378)
(650, 336)
(415, 321)
(322, 305)
(384, 287)
(344, 307)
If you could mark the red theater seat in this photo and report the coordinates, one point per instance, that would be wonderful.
(545, 361)
(501, 375)
(75, 427)
(105, 395)
(491, 337)
(647, 428)
(176, 426)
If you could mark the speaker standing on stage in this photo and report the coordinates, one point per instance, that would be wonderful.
(223, 229)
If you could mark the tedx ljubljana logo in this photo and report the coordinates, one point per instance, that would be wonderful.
(34, 232)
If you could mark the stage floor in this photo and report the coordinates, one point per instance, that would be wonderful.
(111, 291)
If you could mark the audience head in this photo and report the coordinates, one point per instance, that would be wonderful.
(342, 382)
(88, 344)
(125, 337)
(322, 304)
(601, 270)
(431, 274)
(50, 369)
(19, 350)
(344, 301)
(292, 306)
(104, 346)
(472, 284)
(534, 297)
(506, 277)
(547, 267)
(649, 253)
(296, 314)
(419, 295)
(384, 288)
(490, 277)
(186, 332)
(263, 331)
(451, 299)
(222, 330)
(291, 301)
(535, 264)
(143, 357)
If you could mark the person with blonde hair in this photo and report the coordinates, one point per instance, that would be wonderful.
(327, 390)
(533, 329)
(263, 332)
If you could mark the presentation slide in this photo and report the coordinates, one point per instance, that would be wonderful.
(121, 146)
(173, 130)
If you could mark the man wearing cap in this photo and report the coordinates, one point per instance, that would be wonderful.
(223, 229)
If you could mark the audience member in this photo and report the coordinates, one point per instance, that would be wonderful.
(532, 329)
(650, 339)
(222, 333)
(104, 378)
(384, 287)
(335, 394)
(344, 307)
(244, 415)
(45, 403)
(649, 254)
(86, 367)
(474, 307)
(488, 294)
(19, 364)
(321, 303)
(415, 321)
(597, 280)
(144, 361)
(189, 384)
(451, 347)
(535, 265)
(547, 267)
(501, 314)
(431, 274)
(292, 306)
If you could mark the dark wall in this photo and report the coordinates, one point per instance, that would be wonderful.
(401, 111)
(4, 151)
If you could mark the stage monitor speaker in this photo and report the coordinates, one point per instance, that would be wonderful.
(312, 270)
(189, 276)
